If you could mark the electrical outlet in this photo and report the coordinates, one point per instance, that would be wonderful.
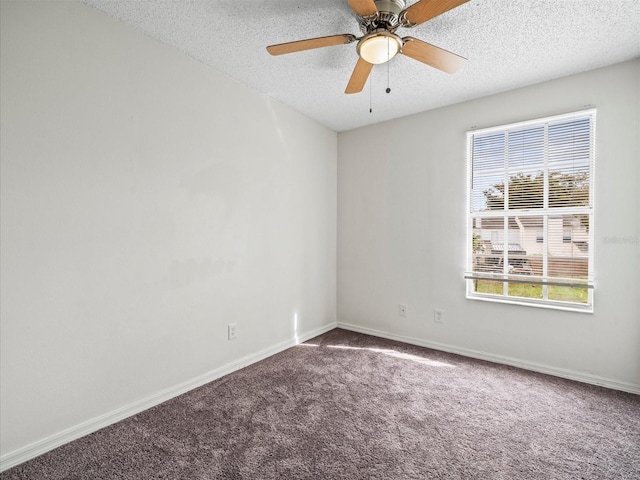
(232, 331)
(438, 316)
(402, 310)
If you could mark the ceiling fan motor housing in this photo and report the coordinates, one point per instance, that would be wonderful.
(387, 16)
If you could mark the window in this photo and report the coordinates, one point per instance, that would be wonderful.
(530, 217)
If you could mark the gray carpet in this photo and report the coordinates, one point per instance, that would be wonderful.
(351, 406)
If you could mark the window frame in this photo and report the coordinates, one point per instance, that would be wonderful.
(472, 274)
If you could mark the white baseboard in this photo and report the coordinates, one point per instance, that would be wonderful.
(514, 362)
(39, 447)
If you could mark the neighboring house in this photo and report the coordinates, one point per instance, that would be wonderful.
(566, 246)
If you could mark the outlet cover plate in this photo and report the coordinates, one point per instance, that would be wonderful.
(232, 331)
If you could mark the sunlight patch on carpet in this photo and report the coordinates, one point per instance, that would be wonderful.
(395, 354)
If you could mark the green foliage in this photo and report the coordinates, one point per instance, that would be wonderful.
(527, 191)
(568, 190)
(477, 243)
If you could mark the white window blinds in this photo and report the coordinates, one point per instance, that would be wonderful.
(531, 211)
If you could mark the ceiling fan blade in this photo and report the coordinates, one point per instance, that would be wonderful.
(359, 76)
(431, 55)
(425, 10)
(310, 43)
(363, 7)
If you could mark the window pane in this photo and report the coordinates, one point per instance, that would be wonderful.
(525, 252)
(487, 193)
(488, 237)
(487, 286)
(525, 290)
(570, 141)
(568, 294)
(569, 188)
(526, 148)
(526, 190)
(488, 152)
(568, 259)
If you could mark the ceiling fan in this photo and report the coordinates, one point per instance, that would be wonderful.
(379, 20)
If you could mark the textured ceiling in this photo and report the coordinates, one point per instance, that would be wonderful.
(508, 43)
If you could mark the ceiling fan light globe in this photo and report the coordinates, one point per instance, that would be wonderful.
(379, 48)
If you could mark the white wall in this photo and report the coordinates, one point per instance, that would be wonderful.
(147, 202)
(402, 233)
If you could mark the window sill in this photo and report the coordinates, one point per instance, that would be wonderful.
(532, 302)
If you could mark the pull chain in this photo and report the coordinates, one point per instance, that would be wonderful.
(388, 90)
(370, 96)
